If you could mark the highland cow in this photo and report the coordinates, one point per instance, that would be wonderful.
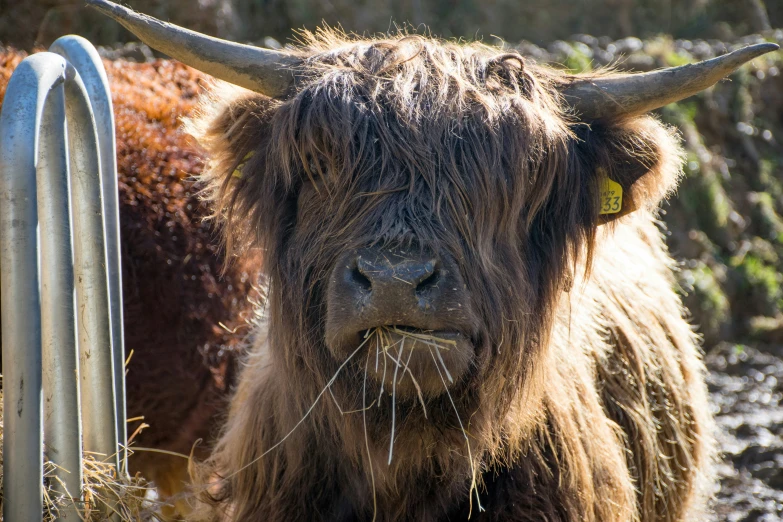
(470, 310)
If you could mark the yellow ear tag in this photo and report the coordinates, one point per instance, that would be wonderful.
(611, 197)
(238, 171)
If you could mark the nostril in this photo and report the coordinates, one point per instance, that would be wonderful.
(429, 282)
(360, 280)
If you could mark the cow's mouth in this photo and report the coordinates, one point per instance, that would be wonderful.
(414, 362)
(405, 314)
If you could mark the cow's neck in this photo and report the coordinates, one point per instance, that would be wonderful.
(429, 472)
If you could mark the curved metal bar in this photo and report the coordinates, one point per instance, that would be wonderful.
(25, 97)
(85, 58)
(96, 364)
(45, 100)
(62, 414)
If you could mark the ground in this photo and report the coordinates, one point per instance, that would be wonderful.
(746, 387)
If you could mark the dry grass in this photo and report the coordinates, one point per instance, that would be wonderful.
(104, 490)
(434, 344)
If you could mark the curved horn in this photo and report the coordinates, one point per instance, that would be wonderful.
(630, 94)
(262, 70)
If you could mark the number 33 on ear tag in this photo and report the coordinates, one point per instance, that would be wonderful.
(611, 197)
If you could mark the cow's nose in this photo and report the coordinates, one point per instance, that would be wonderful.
(392, 276)
(404, 290)
(379, 286)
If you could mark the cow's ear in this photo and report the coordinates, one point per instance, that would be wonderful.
(232, 126)
(635, 164)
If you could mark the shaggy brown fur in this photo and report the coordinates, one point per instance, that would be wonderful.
(181, 367)
(586, 401)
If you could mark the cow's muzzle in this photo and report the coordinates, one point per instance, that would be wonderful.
(411, 309)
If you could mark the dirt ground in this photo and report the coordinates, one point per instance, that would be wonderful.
(746, 387)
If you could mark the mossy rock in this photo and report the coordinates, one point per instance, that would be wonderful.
(767, 223)
(705, 298)
(760, 285)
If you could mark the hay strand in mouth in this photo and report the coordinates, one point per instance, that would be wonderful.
(407, 367)
(367, 440)
(415, 383)
(423, 336)
(383, 346)
(434, 344)
(315, 402)
(446, 370)
(473, 481)
(394, 397)
(301, 421)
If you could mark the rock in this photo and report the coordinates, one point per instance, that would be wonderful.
(130, 52)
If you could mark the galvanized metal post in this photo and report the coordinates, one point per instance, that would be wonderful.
(96, 363)
(23, 107)
(80, 53)
(46, 100)
(62, 419)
